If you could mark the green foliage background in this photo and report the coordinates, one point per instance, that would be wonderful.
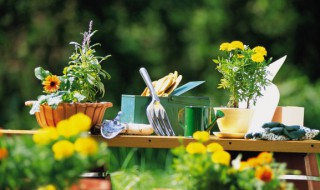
(162, 36)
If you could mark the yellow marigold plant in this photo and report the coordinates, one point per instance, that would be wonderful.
(244, 72)
(202, 165)
(52, 158)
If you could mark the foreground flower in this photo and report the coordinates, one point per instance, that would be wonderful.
(221, 157)
(47, 187)
(196, 148)
(264, 173)
(235, 45)
(45, 135)
(214, 147)
(67, 128)
(265, 158)
(81, 121)
(202, 136)
(51, 84)
(63, 149)
(86, 146)
(257, 57)
(3, 153)
(261, 50)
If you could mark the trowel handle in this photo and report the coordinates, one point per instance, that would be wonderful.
(147, 80)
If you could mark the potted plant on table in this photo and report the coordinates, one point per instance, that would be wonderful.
(244, 75)
(76, 89)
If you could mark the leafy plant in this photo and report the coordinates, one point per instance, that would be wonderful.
(81, 79)
(52, 157)
(243, 72)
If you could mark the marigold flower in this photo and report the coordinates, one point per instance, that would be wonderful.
(3, 153)
(244, 165)
(224, 46)
(264, 173)
(45, 135)
(235, 45)
(221, 157)
(47, 187)
(265, 158)
(51, 84)
(86, 146)
(63, 149)
(67, 128)
(201, 136)
(253, 162)
(196, 148)
(214, 147)
(261, 50)
(81, 121)
(257, 57)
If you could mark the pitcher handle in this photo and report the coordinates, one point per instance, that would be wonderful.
(218, 115)
(181, 117)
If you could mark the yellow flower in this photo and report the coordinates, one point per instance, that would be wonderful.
(45, 135)
(47, 187)
(201, 136)
(3, 153)
(221, 157)
(63, 149)
(261, 50)
(265, 158)
(257, 57)
(196, 148)
(264, 173)
(244, 165)
(224, 46)
(214, 147)
(67, 128)
(253, 162)
(86, 146)
(235, 45)
(81, 121)
(51, 84)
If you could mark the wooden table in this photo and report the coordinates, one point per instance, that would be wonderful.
(299, 155)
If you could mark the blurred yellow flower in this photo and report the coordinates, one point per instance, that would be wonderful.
(235, 45)
(253, 162)
(224, 46)
(261, 50)
(257, 57)
(196, 148)
(86, 146)
(244, 165)
(81, 121)
(67, 128)
(63, 149)
(221, 157)
(265, 158)
(47, 187)
(202, 136)
(264, 173)
(214, 147)
(45, 135)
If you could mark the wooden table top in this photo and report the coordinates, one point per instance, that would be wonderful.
(305, 146)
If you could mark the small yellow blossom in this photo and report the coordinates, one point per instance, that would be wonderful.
(196, 148)
(236, 45)
(51, 84)
(224, 46)
(63, 149)
(45, 135)
(265, 158)
(214, 147)
(257, 57)
(47, 187)
(244, 165)
(221, 157)
(253, 162)
(86, 146)
(261, 50)
(202, 136)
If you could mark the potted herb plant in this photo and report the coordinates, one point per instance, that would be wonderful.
(76, 89)
(244, 75)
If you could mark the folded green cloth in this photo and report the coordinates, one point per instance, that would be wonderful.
(279, 131)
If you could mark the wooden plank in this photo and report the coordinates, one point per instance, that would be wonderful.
(18, 132)
(306, 146)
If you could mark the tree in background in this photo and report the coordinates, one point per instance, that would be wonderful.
(162, 36)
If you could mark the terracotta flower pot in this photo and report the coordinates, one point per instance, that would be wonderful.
(50, 117)
(93, 184)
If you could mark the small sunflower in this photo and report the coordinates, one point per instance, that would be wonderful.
(51, 84)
